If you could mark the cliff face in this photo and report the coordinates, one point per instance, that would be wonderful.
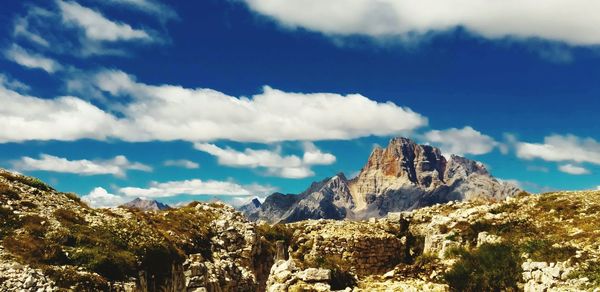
(402, 176)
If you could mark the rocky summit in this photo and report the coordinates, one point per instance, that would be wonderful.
(402, 176)
(51, 241)
(146, 205)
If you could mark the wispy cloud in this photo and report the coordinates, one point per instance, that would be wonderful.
(183, 163)
(573, 169)
(152, 7)
(31, 60)
(96, 26)
(117, 166)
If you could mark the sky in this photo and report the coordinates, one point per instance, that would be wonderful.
(231, 99)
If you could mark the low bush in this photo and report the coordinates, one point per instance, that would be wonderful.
(543, 250)
(491, 267)
(112, 264)
(68, 217)
(71, 280)
(590, 270)
(27, 180)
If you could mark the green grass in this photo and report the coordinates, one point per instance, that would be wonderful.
(491, 267)
(543, 250)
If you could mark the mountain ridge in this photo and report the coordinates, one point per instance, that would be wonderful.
(402, 176)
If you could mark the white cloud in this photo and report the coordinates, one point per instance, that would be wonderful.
(100, 198)
(116, 166)
(461, 141)
(12, 84)
(31, 60)
(276, 164)
(174, 113)
(183, 163)
(574, 22)
(573, 169)
(96, 26)
(163, 12)
(66, 118)
(167, 113)
(559, 148)
(191, 187)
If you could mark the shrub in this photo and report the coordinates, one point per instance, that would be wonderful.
(275, 232)
(71, 280)
(491, 267)
(544, 250)
(68, 217)
(33, 225)
(112, 264)
(591, 270)
(8, 221)
(75, 198)
(26, 180)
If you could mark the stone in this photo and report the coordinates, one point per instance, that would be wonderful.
(315, 275)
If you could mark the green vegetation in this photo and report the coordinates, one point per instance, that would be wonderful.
(591, 271)
(491, 267)
(27, 180)
(545, 251)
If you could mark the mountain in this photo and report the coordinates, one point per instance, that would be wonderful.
(52, 241)
(146, 205)
(402, 176)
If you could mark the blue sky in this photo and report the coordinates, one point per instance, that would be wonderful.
(234, 98)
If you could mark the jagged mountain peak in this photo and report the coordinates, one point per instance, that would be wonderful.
(402, 176)
(146, 205)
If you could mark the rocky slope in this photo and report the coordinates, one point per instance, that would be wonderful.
(50, 241)
(145, 205)
(403, 176)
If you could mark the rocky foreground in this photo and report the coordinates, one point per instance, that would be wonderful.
(50, 241)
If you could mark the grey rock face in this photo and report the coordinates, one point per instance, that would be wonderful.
(402, 176)
(146, 205)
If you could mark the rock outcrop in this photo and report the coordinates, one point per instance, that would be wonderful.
(145, 205)
(51, 241)
(402, 176)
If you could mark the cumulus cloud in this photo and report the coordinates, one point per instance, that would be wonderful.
(192, 187)
(168, 113)
(276, 164)
(183, 163)
(31, 60)
(461, 141)
(66, 118)
(116, 166)
(573, 22)
(172, 112)
(96, 26)
(559, 148)
(573, 169)
(101, 198)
